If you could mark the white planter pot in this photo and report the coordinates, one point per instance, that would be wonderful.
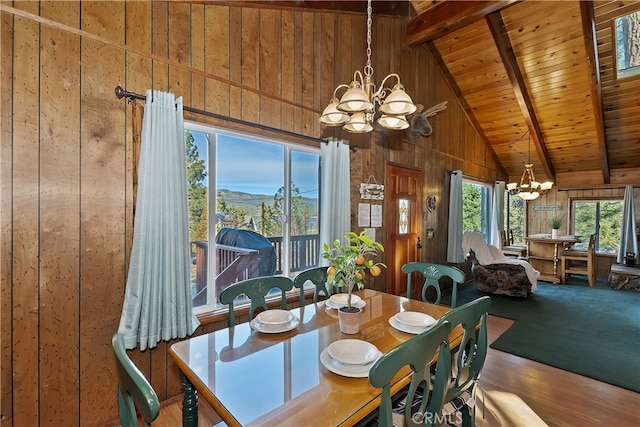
(554, 233)
(349, 321)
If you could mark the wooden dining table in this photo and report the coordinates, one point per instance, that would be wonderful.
(253, 378)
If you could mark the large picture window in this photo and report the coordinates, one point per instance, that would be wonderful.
(265, 198)
(476, 207)
(600, 217)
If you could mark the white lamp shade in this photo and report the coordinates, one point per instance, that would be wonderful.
(393, 122)
(354, 100)
(331, 116)
(398, 102)
(358, 124)
(527, 195)
(512, 186)
(546, 186)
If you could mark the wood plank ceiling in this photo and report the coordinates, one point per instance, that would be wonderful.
(533, 65)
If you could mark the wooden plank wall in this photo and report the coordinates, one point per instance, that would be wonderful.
(67, 161)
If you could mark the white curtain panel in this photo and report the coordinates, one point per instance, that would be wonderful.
(157, 302)
(454, 242)
(628, 239)
(335, 192)
(497, 214)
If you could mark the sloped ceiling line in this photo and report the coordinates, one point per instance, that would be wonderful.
(447, 16)
(589, 30)
(465, 106)
(503, 44)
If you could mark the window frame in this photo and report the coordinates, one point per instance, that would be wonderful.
(211, 312)
(572, 217)
(629, 73)
(487, 204)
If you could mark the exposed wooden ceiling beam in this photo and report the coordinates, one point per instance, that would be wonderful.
(463, 103)
(401, 8)
(589, 31)
(448, 16)
(499, 33)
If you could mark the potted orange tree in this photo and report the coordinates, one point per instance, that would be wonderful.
(348, 265)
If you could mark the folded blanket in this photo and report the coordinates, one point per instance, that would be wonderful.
(489, 254)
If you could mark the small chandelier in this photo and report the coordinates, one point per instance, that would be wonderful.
(529, 188)
(356, 109)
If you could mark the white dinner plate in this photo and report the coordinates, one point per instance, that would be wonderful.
(342, 299)
(415, 319)
(359, 304)
(404, 328)
(275, 317)
(353, 352)
(274, 329)
(353, 371)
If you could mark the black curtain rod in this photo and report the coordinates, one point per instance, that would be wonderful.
(122, 93)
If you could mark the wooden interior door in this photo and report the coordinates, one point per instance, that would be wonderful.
(402, 224)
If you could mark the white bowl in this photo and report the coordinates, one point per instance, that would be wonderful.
(275, 317)
(353, 352)
(415, 319)
(342, 299)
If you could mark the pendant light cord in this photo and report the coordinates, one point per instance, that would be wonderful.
(368, 69)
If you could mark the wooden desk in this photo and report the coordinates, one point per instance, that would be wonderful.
(543, 253)
(251, 378)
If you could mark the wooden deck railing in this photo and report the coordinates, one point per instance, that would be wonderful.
(235, 263)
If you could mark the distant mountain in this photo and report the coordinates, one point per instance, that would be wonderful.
(253, 202)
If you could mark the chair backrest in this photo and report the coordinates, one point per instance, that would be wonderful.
(592, 244)
(256, 289)
(134, 390)
(417, 352)
(317, 276)
(432, 273)
(504, 238)
(472, 351)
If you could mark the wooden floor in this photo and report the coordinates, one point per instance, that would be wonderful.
(517, 392)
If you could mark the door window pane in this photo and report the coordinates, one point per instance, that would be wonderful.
(403, 216)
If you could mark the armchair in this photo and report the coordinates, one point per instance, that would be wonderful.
(496, 274)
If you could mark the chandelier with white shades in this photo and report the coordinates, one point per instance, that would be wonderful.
(528, 188)
(356, 109)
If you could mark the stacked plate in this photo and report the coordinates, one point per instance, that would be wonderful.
(412, 322)
(340, 300)
(274, 321)
(350, 357)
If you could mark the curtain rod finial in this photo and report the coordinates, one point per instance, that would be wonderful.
(119, 92)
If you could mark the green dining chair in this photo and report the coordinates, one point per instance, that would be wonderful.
(425, 402)
(317, 276)
(134, 390)
(256, 289)
(470, 356)
(432, 273)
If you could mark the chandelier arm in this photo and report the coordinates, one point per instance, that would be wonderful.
(342, 86)
(388, 77)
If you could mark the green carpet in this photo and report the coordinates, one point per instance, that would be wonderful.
(593, 332)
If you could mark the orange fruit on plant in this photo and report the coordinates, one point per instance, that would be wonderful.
(359, 260)
(375, 271)
(360, 275)
(331, 271)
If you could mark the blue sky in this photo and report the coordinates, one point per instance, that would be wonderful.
(256, 167)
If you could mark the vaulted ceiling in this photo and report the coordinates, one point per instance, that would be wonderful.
(541, 66)
(536, 79)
